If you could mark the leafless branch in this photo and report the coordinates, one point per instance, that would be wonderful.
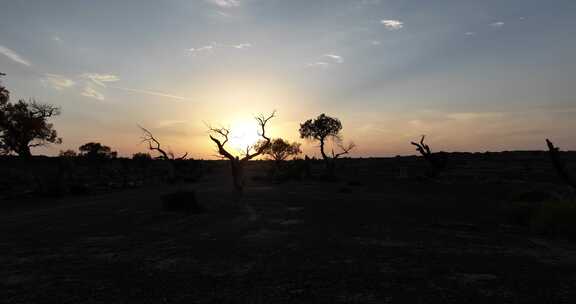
(345, 149)
(154, 145)
(421, 147)
(224, 136)
(262, 121)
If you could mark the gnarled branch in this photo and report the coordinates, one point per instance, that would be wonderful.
(436, 160)
(421, 147)
(344, 149)
(262, 121)
(154, 145)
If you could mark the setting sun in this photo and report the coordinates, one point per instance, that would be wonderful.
(243, 135)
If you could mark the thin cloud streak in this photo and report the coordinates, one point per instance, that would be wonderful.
(100, 79)
(318, 64)
(209, 48)
(242, 46)
(153, 93)
(14, 56)
(392, 24)
(335, 58)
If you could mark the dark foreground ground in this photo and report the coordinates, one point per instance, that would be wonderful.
(395, 241)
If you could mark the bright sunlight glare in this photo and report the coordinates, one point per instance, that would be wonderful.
(243, 135)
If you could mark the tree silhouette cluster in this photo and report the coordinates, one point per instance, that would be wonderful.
(25, 125)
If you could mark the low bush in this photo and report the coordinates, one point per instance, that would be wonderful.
(520, 213)
(544, 213)
(555, 218)
(182, 201)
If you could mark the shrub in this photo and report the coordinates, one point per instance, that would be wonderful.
(542, 212)
(182, 201)
(555, 218)
(521, 206)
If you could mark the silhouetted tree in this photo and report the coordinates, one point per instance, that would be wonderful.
(437, 161)
(321, 129)
(141, 156)
(154, 145)
(237, 163)
(24, 125)
(280, 150)
(559, 165)
(68, 153)
(94, 150)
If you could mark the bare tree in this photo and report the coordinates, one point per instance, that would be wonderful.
(154, 145)
(437, 161)
(559, 164)
(220, 137)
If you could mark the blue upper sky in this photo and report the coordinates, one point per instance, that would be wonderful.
(472, 75)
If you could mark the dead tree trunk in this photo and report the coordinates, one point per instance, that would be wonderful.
(436, 161)
(307, 167)
(237, 164)
(559, 165)
(238, 174)
(330, 161)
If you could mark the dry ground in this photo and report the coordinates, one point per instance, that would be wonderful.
(382, 242)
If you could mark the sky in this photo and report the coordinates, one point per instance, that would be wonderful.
(472, 75)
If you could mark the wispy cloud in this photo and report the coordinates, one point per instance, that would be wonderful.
(392, 24)
(474, 115)
(202, 49)
(89, 91)
(497, 24)
(242, 46)
(319, 64)
(57, 82)
(92, 81)
(326, 60)
(470, 33)
(13, 56)
(225, 3)
(152, 93)
(334, 58)
(100, 79)
(208, 49)
(376, 42)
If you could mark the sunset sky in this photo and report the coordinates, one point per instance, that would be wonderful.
(473, 75)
